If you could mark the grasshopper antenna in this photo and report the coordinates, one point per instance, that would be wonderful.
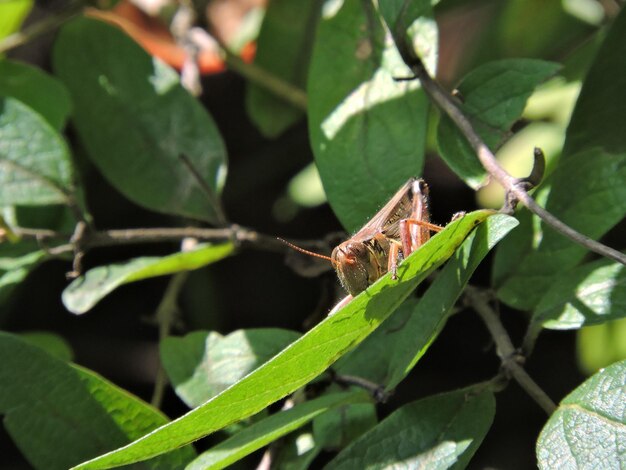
(306, 252)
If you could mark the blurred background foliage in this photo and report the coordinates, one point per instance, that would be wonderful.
(273, 187)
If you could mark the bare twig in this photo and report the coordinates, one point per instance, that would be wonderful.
(93, 239)
(42, 27)
(512, 185)
(280, 88)
(511, 358)
(165, 317)
(377, 390)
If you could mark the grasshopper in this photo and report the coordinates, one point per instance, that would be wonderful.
(398, 229)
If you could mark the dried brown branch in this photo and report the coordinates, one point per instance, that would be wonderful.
(165, 316)
(515, 187)
(511, 359)
(89, 239)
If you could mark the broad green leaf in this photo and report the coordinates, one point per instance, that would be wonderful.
(271, 428)
(204, 364)
(35, 166)
(305, 358)
(601, 345)
(339, 427)
(59, 415)
(390, 353)
(297, 452)
(588, 429)
(150, 139)
(588, 187)
(53, 344)
(12, 14)
(587, 295)
(438, 432)
(493, 98)
(87, 290)
(367, 129)
(16, 261)
(283, 49)
(42, 92)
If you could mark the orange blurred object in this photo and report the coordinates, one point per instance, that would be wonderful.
(157, 40)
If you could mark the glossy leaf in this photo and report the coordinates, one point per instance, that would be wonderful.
(268, 430)
(304, 359)
(42, 92)
(588, 295)
(87, 290)
(588, 430)
(59, 415)
(437, 432)
(35, 166)
(204, 364)
(367, 129)
(339, 427)
(297, 451)
(283, 49)
(150, 139)
(493, 98)
(588, 187)
(390, 353)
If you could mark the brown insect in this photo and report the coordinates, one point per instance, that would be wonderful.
(398, 229)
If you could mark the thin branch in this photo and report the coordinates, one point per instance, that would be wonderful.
(510, 357)
(165, 317)
(376, 390)
(42, 27)
(93, 239)
(282, 89)
(512, 185)
(292, 94)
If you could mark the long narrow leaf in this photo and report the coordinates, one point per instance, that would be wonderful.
(304, 359)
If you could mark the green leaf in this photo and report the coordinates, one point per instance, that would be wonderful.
(87, 290)
(283, 49)
(339, 427)
(437, 432)
(587, 295)
(268, 430)
(204, 364)
(304, 359)
(360, 119)
(54, 345)
(59, 415)
(16, 261)
(150, 139)
(35, 166)
(389, 354)
(35, 88)
(493, 98)
(12, 14)
(601, 345)
(588, 193)
(588, 187)
(297, 452)
(588, 429)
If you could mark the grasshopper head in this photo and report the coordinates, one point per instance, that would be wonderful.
(354, 267)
